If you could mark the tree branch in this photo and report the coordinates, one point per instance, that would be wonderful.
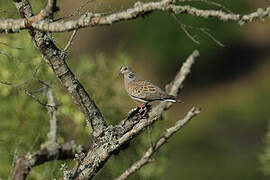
(90, 20)
(55, 58)
(24, 164)
(162, 140)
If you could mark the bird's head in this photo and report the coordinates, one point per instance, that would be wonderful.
(125, 70)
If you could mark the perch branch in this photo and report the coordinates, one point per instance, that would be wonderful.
(146, 158)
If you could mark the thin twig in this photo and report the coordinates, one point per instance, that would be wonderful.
(70, 40)
(76, 12)
(26, 92)
(203, 30)
(146, 158)
(210, 3)
(183, 27)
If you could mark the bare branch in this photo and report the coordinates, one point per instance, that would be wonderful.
(52, 113)
(209, 3)
(70, 40)
(203, 30)
(162, 140)
(183, 27)
(173, 87)
(90, 20)
(24, 164)
(76, 12)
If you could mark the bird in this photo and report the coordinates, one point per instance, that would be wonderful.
(143, 91)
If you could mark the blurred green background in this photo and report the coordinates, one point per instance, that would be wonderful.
(231, 84)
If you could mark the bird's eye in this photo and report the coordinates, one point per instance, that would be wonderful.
(125, 68)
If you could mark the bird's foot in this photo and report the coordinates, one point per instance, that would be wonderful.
(143, 105)
(137, 113)
(143, 110)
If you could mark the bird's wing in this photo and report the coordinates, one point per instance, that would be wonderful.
(145, 90)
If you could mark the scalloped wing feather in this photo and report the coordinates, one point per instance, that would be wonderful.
(146, 91)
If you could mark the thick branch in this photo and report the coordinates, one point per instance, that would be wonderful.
(90, 20)
(117, 136)
(55, 58)
(24, 164)
(146, 158)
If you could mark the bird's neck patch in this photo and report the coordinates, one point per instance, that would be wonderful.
(131, 75)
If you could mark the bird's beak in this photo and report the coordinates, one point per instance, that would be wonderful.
(119, 73)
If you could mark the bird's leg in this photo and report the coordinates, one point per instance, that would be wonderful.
(143, 105)
(143, 109)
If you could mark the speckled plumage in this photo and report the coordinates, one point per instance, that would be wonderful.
(143, 91)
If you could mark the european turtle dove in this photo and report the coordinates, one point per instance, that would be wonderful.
(143, 91)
